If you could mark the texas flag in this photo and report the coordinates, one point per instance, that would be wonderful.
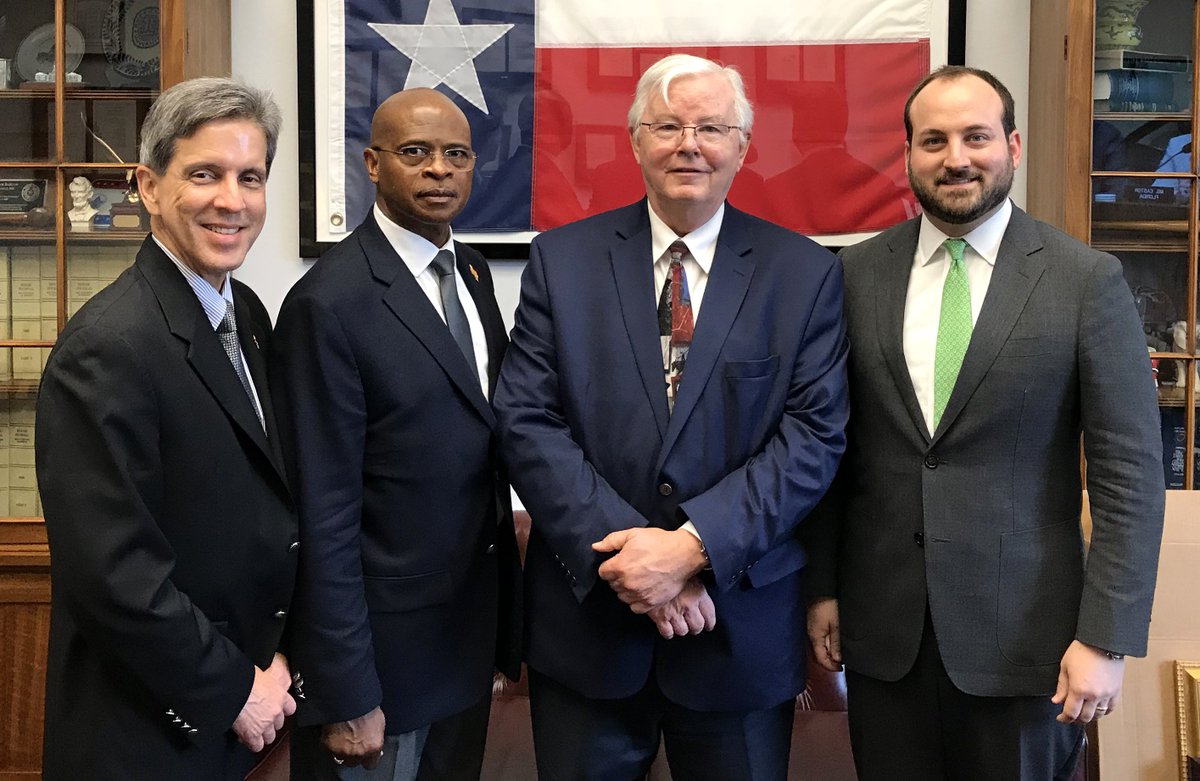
(546, 85)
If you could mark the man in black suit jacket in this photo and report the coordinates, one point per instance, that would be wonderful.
(172, 532)
(409, 560)
(977, 636)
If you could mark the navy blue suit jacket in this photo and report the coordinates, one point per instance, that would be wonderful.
(408, 564)
(752, 444)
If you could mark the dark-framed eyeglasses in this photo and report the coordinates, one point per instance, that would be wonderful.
(414, 156)
(708, 133)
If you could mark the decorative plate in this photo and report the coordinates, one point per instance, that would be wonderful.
(130, 37)
(36, 52)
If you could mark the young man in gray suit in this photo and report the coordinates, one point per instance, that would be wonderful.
(947, 566)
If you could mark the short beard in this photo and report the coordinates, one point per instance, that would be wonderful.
(962, 213)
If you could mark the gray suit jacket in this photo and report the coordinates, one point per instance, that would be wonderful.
(981, 520)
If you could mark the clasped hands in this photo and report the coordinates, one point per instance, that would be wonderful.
(654, 571)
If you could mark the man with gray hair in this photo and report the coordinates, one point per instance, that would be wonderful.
(171, 527)
(667, 455)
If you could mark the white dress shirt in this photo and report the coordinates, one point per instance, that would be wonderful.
(418, 255)
(923, 304)
(702, 246)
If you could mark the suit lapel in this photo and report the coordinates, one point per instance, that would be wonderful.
(252, 338)
(892, 272)
(409, 304)
(728, 281)
(187, 321)
(633, 271)
(473, 271)
(1019, 266)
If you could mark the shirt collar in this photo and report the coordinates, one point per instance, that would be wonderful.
(213, 302)
(984, 240)
(416, 252)
(701, 243)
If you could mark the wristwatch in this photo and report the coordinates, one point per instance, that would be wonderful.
(1113, 655)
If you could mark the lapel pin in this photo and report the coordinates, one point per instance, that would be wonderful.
(255, 339)
(474, 273)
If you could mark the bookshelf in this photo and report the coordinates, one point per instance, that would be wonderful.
(1110, 160)
(103, 63)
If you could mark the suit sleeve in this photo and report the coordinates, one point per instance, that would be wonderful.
(322, 414)
(1123, 451)
(101, 477)
(571, 504)
(759, 504)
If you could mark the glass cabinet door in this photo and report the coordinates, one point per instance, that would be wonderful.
(1143, 199)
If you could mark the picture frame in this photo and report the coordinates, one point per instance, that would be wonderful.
(1187, 702)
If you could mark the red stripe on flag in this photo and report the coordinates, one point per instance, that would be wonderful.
(827, 152)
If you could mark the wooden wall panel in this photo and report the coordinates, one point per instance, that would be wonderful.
(24, 629)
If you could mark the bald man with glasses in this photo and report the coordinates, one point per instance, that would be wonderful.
(386, 356)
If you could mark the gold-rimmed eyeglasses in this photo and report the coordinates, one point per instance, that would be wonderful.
(708, 133)
(419, 156)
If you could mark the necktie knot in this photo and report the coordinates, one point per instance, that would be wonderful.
(677, 250)
(443, 263)
(955, 247)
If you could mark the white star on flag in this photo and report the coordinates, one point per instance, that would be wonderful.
(443, 51)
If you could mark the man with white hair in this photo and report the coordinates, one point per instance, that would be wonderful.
(667, 456)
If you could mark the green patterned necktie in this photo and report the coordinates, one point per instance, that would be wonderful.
(954, 329)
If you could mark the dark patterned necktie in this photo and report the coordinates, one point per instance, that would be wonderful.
(675, 323)
(227, 333)
(456, 316)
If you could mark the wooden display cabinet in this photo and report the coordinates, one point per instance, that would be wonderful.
(118, 55)
(1112, 116)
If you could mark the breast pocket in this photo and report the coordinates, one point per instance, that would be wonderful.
(760, 368)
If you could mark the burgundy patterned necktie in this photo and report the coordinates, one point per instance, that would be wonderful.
(675, 323)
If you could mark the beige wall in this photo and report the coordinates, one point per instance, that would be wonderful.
(1138, 741)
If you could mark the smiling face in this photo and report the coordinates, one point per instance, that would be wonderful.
(421, 198)
(209, 205)
(686, 181)
(960, 163)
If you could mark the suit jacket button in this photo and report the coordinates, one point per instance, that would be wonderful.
(491, 548)
(280, 613)
(931, 461)
(919, 539)
(665, 489)
(295, 544)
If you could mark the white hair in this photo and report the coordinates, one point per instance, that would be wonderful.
(658, 78)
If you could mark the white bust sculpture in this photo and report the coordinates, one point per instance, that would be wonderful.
(81, 191)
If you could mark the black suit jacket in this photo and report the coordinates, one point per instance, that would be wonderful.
(980, 518)
(407, 552)
(171, 532)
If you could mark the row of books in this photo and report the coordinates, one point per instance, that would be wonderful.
(1141, 81)
(18, 476)
(29, 298)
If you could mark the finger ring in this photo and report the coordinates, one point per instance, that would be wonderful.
(339, 761)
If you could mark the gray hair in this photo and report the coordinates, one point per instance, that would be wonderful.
(181, 110)
(658, 78)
